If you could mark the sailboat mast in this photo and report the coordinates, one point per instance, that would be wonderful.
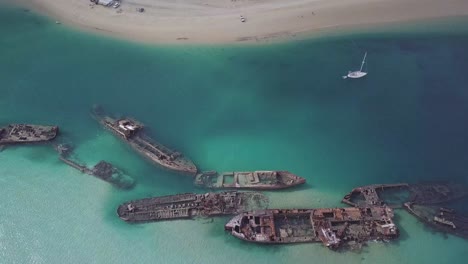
(363, 61)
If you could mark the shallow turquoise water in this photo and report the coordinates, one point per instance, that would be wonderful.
(280, 106)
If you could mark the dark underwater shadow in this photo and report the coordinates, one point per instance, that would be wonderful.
(403, 233)
(42, 152)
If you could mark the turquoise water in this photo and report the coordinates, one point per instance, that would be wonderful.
(281, 106)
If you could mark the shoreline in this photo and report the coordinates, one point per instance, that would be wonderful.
(218, 21)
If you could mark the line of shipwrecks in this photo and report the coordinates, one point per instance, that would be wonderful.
(369, 217)
(133, 133)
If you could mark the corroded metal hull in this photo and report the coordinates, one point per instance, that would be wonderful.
(334, 227)
(255, 180)
(421, 193)
(190, 205)
(145, 146)
(24, 133)
(103, 170)
(442, 219)
(369, 195)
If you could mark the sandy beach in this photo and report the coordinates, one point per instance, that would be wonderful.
(218, 21)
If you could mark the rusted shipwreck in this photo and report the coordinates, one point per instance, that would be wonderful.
(334, 227)
(25, 133)
(418, 200)
(190, 205)
(421, 193)
(102, 170)
(443, 219)
(259, 180)
(370, 195)
(132, 132)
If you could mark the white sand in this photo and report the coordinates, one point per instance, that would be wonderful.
(218, 21)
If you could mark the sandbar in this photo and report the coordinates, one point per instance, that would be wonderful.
(219, 21)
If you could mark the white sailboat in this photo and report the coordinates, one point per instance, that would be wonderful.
(357, 74)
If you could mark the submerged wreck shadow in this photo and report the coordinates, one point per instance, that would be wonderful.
(403, 234)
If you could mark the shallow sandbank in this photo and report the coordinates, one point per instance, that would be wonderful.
(218, 21)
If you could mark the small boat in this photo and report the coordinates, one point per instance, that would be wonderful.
(357, 74)
(259, 180)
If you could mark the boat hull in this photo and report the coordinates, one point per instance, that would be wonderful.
(190, 205)
(25, 133)
(334, 227)
(255, 180)
(356, 75)
(455, 224)
(147, 147)
(189, 170)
